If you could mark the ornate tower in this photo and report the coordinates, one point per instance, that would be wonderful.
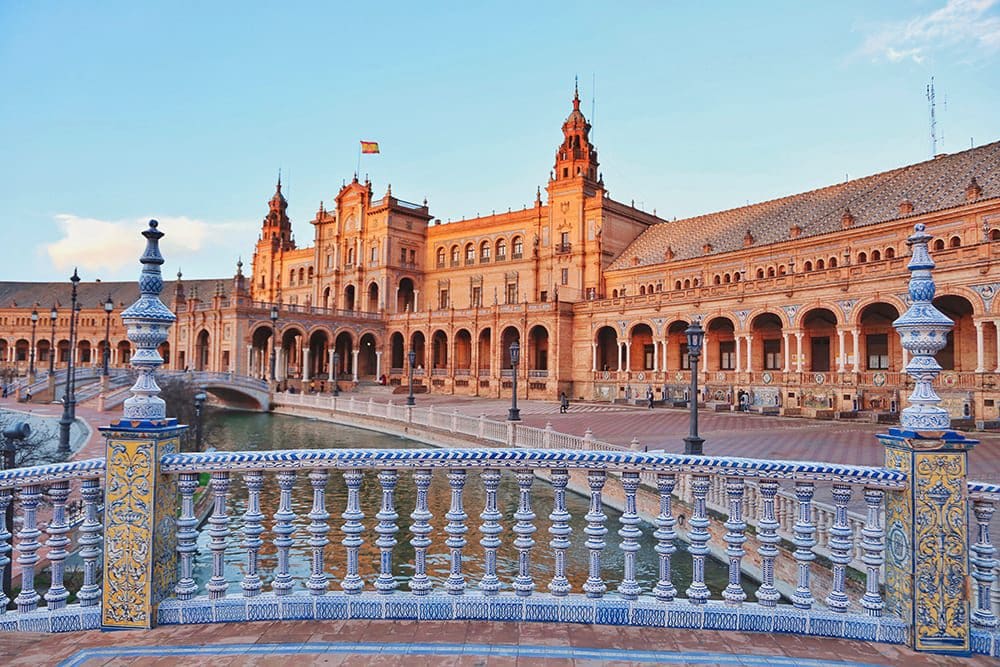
(275, 239)
(576, 157)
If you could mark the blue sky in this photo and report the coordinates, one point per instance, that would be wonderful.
(114, 112)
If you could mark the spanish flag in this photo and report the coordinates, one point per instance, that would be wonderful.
(369, 147)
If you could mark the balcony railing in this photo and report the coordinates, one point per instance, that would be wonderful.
(563, 248)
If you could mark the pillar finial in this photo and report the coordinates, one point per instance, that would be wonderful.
(148, 321)
(923, 331)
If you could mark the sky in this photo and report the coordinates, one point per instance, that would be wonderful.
(115, 112)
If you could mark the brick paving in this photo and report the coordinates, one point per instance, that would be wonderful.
(445, 643)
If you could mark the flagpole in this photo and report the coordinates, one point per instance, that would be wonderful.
(358, 170)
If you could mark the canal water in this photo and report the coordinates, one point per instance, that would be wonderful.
(254, 431)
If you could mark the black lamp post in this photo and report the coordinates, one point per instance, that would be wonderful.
(53, 314)
(412, 356)
(12, 435)
(69, 399)
(695, 337)
(199, 405)
(31, 357)
(334, 372)
(514, 415)
(109, 306)
(274, 335)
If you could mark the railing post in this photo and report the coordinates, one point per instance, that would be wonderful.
(927, 523)
(140, 503)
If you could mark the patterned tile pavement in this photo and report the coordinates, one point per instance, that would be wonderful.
(442, 643)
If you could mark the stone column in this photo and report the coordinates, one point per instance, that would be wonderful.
(749, 353)
(628, 356)
(788, 352)
(739, 352)
(798, 351)
(656, 355)
(305, 364)
(666, 354)
(333, 371)
(980, 348)
(619, 356)
(593, 358)
(416, 300)
(856, 337)
(354, 364)
(140, 540)
(378, 364)
(841, 356)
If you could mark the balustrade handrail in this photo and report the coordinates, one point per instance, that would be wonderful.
(44, 474)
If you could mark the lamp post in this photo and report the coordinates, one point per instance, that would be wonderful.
(412, 356)
(69, 399)
(53, 314)
(334, 372)
(514, 415)
(109, 306)
(12, 435)
(695, 337)
(31, 356)
(274, 335)
(199, 405)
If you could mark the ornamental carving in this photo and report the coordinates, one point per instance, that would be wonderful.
(987, 293)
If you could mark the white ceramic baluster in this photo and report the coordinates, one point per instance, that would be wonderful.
(767, 534)
(456, 529)
(218, 530)
(630, 534)
(804, 542)
(5, 500)
(352, 583)
(56, 596)
(735, 537)
(594, 587)
(873, 537)
(984, 564)
(318, 529)
(560, 532)
(27, 548)
(698, 592)
(420, 528)
(252, 530)
(523, 585)
(283, 529)
(187, 536)
(840, 549)
(665, 536)
(90, 542)
(386, 528)
(491, 529)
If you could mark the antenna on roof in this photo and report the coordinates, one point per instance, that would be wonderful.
(930, 103)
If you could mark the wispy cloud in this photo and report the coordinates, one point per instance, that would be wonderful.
(972, 25)
(107, 247)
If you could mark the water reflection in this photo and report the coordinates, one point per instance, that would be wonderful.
(248, 431)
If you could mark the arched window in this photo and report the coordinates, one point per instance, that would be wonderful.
(862, 258)
(737, 277)
(350, 256)
(501, 250)
(955, 242)
(484, 251)
(890, 253)
(833, 262)
(440, 257)
(939, 244)
(717, 279)
(760, 274)
(820, 265)
(677, 285)
(995, 235)
(782, 270)
(517, 248)
(470, 253)
(302, 276)
(454, 255)
(808, 266)
(642, 290)
(727, 278)
(310, 275)
(687, 283)
(770, 272)
(876, 256)
(291, 277)
(614, 294)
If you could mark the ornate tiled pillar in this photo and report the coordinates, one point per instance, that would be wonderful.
(927, 523)
(140, 566)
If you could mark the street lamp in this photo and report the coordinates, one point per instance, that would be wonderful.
(274, 334)
(109, 306)
(31, 357)
(412, 356)
(53, 314)
(514, 415)
(69, 399)
(334, 372)
(199, 405)
(16, 432)
(695, 337)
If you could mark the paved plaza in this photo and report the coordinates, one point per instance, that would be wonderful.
(414, 643)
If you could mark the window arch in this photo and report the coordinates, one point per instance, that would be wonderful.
(455, 253)
(687, 283)
(833, 262)
(820, 265)
(876, 256)
(642, 290)
(440, 257)
(770, 272)
(614, 294)
(955, 242)
(501, 249)
(517, 248)
(760, 274)
(782, 270)
(470, 253)
(677, 285)
(485, 250)
(717, 279)
(890, 253)
(939, 244)
(302, 276)
(862, 258)
(995, 234)
(310, 275)
(808, 266)
(350, 256)
(291, 277)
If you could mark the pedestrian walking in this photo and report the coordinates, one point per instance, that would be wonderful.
(649, 397)
(563, 403)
